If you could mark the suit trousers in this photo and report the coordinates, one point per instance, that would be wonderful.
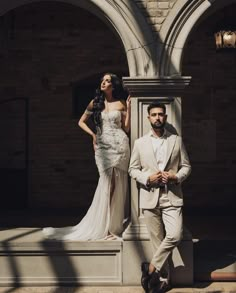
(165, 227)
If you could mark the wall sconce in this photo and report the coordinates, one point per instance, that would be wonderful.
(225, 39)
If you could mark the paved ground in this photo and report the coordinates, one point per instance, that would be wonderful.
(219, 287)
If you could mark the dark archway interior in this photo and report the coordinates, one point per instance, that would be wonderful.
(209, 120)
(50, 52)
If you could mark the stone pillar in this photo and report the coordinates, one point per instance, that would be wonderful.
(136, 246)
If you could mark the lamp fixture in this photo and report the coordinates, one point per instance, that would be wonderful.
(225, 39)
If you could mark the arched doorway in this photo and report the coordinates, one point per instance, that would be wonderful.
(208, 116)
(49, 52)
(127, 22)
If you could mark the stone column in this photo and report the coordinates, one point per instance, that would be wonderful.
(136, 240)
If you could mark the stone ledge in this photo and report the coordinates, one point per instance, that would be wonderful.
(32, 238)
(26, 258)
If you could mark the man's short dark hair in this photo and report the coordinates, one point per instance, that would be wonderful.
(156, 105)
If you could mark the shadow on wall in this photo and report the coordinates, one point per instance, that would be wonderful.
(212, 256)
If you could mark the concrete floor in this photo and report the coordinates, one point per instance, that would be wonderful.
(217, 287)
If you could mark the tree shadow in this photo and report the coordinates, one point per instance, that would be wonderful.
(56, 252)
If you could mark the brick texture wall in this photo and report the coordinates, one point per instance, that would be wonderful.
(45, 49)
(155, 11)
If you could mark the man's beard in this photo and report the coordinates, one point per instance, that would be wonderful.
(158, 125)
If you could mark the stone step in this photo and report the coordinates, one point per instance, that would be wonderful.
(26, 258)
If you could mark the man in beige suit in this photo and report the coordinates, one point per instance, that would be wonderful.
(159, 163)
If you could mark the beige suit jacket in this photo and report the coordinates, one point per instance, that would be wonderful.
(143, 163)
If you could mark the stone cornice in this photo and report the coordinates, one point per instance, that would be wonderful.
(152, 87)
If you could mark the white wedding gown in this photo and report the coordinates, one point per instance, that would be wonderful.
(106, 213)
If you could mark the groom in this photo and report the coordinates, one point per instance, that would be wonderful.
(159, 163)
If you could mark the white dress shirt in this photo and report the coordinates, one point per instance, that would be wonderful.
(159, 145)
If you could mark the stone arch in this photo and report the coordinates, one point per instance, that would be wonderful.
(126, 20)
(177, 27)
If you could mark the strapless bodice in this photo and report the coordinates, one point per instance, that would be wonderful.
(111, 119)
(112, 142)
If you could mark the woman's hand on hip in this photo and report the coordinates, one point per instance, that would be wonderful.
(94, 142)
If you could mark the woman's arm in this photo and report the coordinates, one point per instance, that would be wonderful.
(127, 116)
(83, 122)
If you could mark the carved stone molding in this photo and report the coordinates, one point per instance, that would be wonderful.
(136, 232)
(153, 87)
(175, 31)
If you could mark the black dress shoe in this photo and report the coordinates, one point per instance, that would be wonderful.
(163, 287)
(145, 276)
(154, 282)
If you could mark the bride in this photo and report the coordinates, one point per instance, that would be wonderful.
(111, 114)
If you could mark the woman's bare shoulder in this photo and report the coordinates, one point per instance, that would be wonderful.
(90, 106)
(123, 105)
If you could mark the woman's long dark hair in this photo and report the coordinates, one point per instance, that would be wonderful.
(99, 100)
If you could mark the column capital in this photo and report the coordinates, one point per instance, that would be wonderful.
(155, 86)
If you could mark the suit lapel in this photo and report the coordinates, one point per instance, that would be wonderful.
(171, 139)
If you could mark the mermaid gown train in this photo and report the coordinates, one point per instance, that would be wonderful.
(107, 212)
